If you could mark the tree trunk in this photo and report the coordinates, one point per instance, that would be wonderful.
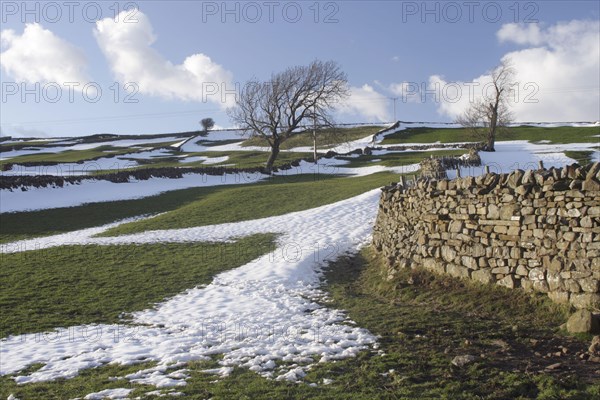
(273, 156)
(315, 146)
(491, 139)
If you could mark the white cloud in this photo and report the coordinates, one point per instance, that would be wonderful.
(523, 34)
(406, 91)
(454, 97)
(558, 75)
(368, 103)
(38, 55)
(128, 49)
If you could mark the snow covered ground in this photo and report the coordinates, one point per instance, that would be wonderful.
(509, 155)
(117, 163)
(213, 136)
(82, 146)
(206, 160)
(256, 315)
(92, 191)
(72, 169)
(520, 154)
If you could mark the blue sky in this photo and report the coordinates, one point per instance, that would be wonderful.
(173, 53)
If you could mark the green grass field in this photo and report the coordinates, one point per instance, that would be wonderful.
(71, 285)
(256, 201)
(397, 159)
(565, 134)
(237, 159)
(325, 138)
(24, 225)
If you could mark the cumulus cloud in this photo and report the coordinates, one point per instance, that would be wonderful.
(38, 55)
(128, 50)
(366, 102)
(523, 34)
(406, 91)
(557, 75)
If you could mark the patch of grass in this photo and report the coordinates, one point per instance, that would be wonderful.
(396, 159)
(563, 134)
(71, 285)
(584, 157)
(251, 159)
(325, 137)
(425, 321)
(256, 201)
(28, 224)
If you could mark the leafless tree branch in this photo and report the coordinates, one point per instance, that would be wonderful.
(276, 109)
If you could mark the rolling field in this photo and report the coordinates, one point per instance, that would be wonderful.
(248, 285)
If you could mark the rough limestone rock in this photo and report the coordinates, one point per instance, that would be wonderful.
(483, 276)
(461, 361)
(583, 321)
(595, 345)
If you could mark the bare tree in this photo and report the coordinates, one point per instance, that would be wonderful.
(276, 109)
(207, 123)
(491, 113)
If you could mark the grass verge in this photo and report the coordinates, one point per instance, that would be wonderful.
(72, 285)
(425, 321)
(584, 157)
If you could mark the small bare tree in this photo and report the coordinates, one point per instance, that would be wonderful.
(276, 109)
(207, 123)
(491, 113)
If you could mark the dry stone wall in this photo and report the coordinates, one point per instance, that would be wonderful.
(535, 230)
(435, 167)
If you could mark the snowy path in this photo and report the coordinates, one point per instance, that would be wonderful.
(257, 314)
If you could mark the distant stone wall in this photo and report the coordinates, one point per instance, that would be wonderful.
(435, 167)
(535, 230)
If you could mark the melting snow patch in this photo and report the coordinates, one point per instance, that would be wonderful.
(293, 375)
(156, 377)
(223, 371)
(158, 393)
(109, 394)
